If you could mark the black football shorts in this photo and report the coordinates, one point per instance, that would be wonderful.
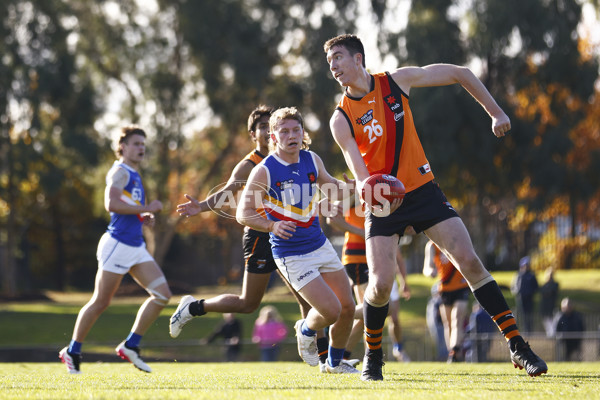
(358, 273)
(421, 208)
(257, 252)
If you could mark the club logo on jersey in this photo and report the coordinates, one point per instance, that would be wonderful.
(424, 169)
(366, 118)
(312, 178)
(390, 101)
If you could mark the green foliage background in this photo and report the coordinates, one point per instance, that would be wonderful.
(73, 71)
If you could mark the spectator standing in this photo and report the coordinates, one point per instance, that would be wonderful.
(569, 321)
(231, 331)
(524, 287)
(435, 324)
(480, 327)
(269, 331)
(549, 296)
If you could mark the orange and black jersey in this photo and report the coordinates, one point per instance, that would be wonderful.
(450, 278)
(382, 125)
(255, 157)
(354, 250)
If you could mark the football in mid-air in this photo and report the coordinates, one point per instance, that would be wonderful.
(381, 189)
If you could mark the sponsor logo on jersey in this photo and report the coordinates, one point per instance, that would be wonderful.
(398, 116)
(390, 101)
(447, 204)
(366, 118)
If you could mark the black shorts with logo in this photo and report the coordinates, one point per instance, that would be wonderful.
(449, 298)
(358, 273)
(422, 208)
(257, 252)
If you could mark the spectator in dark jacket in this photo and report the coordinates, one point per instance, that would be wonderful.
(231, 331)
(524, 288)
(568, 322)
(549, 297)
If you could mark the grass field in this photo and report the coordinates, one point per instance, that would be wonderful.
(47, 325)
(295, 380)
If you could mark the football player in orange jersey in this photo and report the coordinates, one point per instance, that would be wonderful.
(257, 249)
(454, 293)
(373, 125)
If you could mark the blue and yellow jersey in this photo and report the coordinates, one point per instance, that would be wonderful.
(128, 228)
(291, 197)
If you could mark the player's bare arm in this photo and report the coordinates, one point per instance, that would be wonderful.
(343, 137)
(112, 196)
(234, 184)
(334, 189)
(339, 222)
(449, 74)
(428, 264)
(250, 201)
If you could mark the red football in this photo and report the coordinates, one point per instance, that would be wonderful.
(380, 188)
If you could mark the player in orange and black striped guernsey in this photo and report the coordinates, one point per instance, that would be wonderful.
(257, 249)
(373, 125)
(454, 294)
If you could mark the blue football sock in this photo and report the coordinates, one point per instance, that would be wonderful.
(335, 356)
(133, 340)
(306, 331)
(74, 347)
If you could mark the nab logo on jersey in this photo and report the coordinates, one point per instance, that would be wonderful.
(390, 101)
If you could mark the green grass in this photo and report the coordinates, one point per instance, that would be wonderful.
(295, 380)
(49, 324)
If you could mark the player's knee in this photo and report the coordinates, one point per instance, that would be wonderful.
(471, 267)
(162, 299)
(332, 313)
(347, 310)
(380, 292)
(159, 291)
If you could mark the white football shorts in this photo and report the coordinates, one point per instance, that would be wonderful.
(118, 257)
(301, 269)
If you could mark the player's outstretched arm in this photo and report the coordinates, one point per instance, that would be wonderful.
(449, 74)
(236, 182)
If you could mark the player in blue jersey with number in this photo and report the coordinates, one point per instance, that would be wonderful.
(122, 250)
(285, 184)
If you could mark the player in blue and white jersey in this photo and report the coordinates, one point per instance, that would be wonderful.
(286, 184)
(122, 250)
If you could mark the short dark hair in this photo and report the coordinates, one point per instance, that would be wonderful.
(126, 133)
(256, 114)
(350, 42)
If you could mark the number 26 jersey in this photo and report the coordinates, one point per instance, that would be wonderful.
(382, 125)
